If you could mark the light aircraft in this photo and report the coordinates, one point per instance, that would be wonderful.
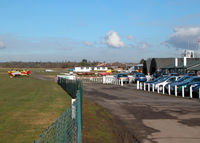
(16, 73)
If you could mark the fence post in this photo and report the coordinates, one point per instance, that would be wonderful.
(169, 90)
(175, 90)
(153, 88)
(199, 93)
(191, 91)
(144, 86)
(163, 89)
(104, 79)
(122, 82)
(138, 84)
(183, 92)
(149, 87)
(73, 109)
(119, 82)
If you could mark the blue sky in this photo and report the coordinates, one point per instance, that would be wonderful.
(103, 30)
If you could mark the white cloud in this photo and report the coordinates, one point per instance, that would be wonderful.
(140, 45)
(131, 38)
(2, 45)
(87, 43)
(144, 45)
(113, 40)
(184, 38)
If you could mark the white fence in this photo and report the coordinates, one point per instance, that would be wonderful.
(161, 89)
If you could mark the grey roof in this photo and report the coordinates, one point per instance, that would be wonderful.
(161, 62)
(190, 63)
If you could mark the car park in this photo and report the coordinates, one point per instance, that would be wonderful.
(173, 74)
(186, 84)
(193, 84)
(140, 77)
(195, 89)
(122, 76)
(155, 80)
(165, 81)
(172, 84)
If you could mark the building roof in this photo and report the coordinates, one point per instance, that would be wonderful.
(191, 62)
(160, 62)
(194, 68)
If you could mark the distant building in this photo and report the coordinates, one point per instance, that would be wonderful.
(89, 69)
(183, 65)
(137, 68)
(156, 64)
(99, 68)
(82, 69)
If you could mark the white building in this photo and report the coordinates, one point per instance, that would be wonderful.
(89, 69)
(100, 68)
(82, 69)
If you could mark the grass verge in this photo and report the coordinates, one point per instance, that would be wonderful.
(98, 124)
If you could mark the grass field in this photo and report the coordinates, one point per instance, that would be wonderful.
(27, 106)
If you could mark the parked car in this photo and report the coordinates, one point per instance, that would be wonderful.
(123, 76)
(186, 83)
(195, 89)
(173, 74)
(190, 74)
(155, 80)
(156, 75)
(140, 77)
(159, 86)
(181, 79)
(193, 84)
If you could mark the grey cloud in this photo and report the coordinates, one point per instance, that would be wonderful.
(184, 38)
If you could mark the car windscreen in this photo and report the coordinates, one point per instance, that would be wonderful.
(122, 75)
(141, 75)
(188, 80)
(183, 78)
(158, 78)
(165, 78)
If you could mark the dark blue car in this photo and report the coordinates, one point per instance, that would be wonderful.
(155, 80)
(140, 77)
(176, 82)
(186, 84)
(195, 89)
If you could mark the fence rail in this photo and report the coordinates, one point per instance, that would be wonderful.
(68, 127)
(161, 89)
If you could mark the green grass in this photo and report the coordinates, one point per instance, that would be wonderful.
(56, 71)
(98, 124)
(27, 106)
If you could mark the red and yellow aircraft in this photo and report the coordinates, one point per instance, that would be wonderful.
(16, 73)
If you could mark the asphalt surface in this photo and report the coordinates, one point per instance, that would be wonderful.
(143, 116)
